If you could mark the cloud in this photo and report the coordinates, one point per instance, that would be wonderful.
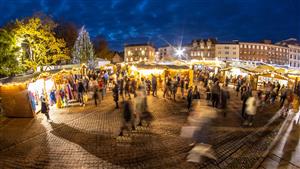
(142, 20)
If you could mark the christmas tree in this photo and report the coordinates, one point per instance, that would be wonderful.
(83, 49)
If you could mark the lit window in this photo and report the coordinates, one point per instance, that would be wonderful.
(145, 59)
(143, 52)
(131, 59)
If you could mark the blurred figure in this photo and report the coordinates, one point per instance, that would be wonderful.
(148, 86)
(121, 87)
(283, 94)
(80, 90)
(127, 88)
(224, 100)
(287, 104)
(167, 87)
(190, 98)
(251, 109)
(140, 104)
(45, 108)
(116, 94)
(174, 86)
(128, 118)
(182, 87)
(196, 93)
(154, 86)
(245, 97)
(215, 94)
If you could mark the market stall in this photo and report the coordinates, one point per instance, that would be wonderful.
(233, 73)
(15, 100)
(160, 71)
(263, 78)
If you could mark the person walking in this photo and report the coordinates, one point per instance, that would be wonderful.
(250, 110)
(81, 90)
(166, 87)
(190, 98)
(215, 94)
(174, 86)
(133, 86)
(182, 87)
(287, 104)
(116, 94)
(283, 94)
(245, 97)
(121, 86)
(148, 86)
(45, 108)
(127, 88)
(128, 118)
(196, 93)
(154, 86)
(224, 100)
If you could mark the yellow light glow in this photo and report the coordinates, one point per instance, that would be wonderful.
(147, 72)
(133, 68)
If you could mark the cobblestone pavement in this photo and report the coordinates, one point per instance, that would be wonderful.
(86, 137)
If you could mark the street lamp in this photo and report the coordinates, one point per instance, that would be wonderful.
(179, 52)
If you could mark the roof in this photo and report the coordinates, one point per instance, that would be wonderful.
(227, 43)
(139, 44)
(290, 41)
(205, 40)
(160, 66)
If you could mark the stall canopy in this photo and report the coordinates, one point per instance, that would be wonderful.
(264, 68)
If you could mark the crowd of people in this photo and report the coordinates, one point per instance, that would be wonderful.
(134, 91)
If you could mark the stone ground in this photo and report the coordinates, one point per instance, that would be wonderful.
(86, 137)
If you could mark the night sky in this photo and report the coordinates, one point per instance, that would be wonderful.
(157, 21)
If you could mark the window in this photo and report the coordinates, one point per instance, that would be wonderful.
(226, 53)
(226, 47)
(234, 53)
(143, 52)
(257, 47)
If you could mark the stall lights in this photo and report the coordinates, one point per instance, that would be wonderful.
(147, 72)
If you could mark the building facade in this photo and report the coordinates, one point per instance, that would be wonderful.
(265, 52)
(139, 52)
(227, 51)
(203, 49)
(165, 52)
(117, 58)
(294, 56)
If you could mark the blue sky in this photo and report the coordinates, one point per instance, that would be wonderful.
(158, 21)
